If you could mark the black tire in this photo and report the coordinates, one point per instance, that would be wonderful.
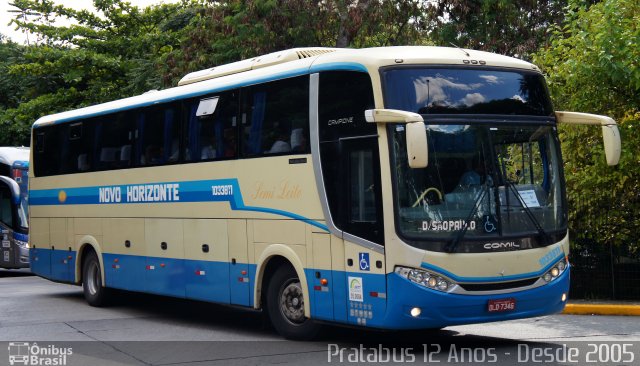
(94, 292)
(285, 305)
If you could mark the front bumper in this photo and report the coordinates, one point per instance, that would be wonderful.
(439, 309)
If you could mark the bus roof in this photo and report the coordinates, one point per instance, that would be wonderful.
(291, 63)
(9, 155)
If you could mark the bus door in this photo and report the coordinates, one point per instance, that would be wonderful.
(362, 223)
(350, 160)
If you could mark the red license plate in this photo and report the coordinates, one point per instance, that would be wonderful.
(495, 306)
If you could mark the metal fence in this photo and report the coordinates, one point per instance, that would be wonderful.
(601, 270)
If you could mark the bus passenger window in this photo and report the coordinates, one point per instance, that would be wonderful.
(158, 134)
(116, 132)
(211, 127)
(78, 149)
(47, 155)
(275, 118)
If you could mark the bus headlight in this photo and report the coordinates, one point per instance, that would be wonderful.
(424, 278)
(555, 271)
(21, 244)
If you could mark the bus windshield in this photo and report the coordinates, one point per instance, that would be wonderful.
(483, 182)
(466, 91)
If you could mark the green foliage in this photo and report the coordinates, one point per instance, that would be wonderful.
(502, 26)
(11, 87)
(97, 59)
(592, 66)
(124, 50)
(231, 30)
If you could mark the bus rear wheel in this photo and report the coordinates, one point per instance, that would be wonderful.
(94, 292)
(285, 305)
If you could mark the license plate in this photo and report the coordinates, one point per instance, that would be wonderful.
(6, 243)
(495, 306)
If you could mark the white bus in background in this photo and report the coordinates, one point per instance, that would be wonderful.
(394, 188)
(14, 195)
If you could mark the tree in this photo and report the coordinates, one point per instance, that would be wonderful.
(96, 59)
(515, 28)
(232, 30)
(592, 66)
(10, 86)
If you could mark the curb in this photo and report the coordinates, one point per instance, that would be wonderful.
(602, 309)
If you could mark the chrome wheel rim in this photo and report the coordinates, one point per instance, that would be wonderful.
(292, 302)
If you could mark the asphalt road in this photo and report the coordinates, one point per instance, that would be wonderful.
(151, 330)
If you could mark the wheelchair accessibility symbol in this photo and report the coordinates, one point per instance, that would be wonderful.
(489, 224)
(364, 261)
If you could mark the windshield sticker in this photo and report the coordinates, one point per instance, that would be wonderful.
(529, 198)
(447, 225)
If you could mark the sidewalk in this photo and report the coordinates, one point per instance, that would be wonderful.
(596, 307)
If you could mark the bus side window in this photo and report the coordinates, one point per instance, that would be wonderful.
(275, 118)
(117, 132)
(48, 154)
(158, 133)
(212, 127)
(80, 146)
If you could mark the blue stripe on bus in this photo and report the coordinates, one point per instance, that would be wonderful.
(223, 282)
(189, 191)
(492, 279)
(336, 66)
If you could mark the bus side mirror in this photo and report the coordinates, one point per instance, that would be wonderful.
(612, 144)
(610, 132)
(416, 135)
(417, 146)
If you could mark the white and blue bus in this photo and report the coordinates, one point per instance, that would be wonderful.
(14, 195)
(393, 188)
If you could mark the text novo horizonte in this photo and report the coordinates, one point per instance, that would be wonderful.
(167, 192)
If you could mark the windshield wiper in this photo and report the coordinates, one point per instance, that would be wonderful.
(508, 185)
(545, 236)
(453, 244)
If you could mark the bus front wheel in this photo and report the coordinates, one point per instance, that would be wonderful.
(285, 305)
(94, 292)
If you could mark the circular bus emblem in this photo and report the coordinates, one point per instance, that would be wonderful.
(62, 196)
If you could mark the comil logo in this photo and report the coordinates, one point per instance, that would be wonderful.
(24, 353)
